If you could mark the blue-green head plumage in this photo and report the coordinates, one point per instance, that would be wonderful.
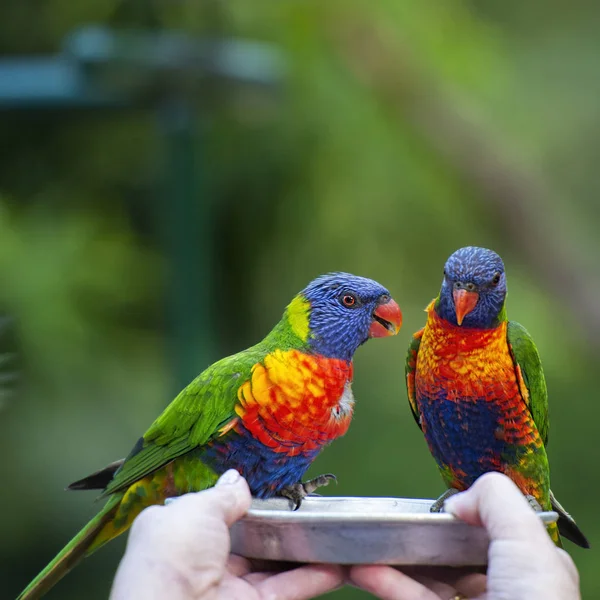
(473, 289)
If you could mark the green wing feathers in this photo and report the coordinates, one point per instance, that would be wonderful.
(530, 375)
(196, 415)
(409, 371)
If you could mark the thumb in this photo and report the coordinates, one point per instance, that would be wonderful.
(232, 494)
(497, 504)
(228, 501)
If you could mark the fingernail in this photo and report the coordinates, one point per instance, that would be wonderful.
(228, 477)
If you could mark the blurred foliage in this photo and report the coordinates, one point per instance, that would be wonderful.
(333, 174)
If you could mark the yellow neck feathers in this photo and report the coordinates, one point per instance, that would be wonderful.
(298, 317)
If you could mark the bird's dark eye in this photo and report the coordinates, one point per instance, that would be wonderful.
(496, 279)
(349, 300)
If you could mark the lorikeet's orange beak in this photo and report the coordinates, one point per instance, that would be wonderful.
(387, 320)
(464, 303)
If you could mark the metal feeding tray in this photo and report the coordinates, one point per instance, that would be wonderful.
(353, 530)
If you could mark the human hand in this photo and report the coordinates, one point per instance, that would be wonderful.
(523, 562)
(182, 552)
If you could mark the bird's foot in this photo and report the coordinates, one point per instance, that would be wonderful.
(534, 503)
(322, 480)
(298, 491)
(438, 505)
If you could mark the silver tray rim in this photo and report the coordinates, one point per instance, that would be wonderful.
(323, 516)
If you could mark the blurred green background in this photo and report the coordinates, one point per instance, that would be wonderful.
(402, 131)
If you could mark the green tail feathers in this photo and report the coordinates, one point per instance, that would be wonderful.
(78, 548)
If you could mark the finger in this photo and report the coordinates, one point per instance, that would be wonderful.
(302, 583)
(263, 569)
(388, 583)
(441, 589)
(238, 566)
(471, 586)
(460, 579)
(495, 502)
(229, 500)
(173, 531)
(255, 578)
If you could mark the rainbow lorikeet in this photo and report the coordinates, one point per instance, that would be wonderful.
(266, 411)
(477, 390)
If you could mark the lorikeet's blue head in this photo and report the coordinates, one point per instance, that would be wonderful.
(338, 312)
(474, 289)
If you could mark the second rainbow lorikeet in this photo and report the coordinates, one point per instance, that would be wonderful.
(266, 411)
(477, 389)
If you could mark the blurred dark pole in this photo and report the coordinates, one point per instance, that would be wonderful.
(167, 72)
(184, 218)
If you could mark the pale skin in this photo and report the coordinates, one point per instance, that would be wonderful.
(182, 552)
(524, 564)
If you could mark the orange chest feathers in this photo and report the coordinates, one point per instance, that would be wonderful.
(295, 402)
(464, 363)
